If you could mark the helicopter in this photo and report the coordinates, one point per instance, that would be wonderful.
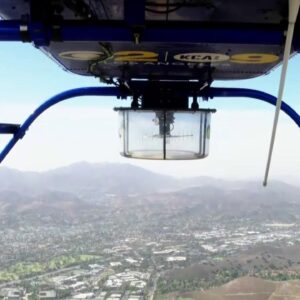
(160, 54)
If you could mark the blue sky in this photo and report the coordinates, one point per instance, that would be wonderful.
(86, 130)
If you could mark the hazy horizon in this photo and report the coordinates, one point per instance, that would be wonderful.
(83, 163)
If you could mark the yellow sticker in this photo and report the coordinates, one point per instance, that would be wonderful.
(254, 58)
(138, 56)
(82, 55)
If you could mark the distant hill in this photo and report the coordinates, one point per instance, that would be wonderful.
(81, 186)
(245, 288)
(281, 202)
(84, 179)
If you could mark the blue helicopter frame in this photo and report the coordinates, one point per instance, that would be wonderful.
(41, 34)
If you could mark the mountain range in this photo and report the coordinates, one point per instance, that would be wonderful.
(84, 186)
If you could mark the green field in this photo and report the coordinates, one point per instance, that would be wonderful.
(23, 270)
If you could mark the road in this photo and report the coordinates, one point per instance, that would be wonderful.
(152, 290)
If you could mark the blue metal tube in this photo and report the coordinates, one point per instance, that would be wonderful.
(10, 31)
(113, 91)
(254, 94)
(89, 91)
(168, 35)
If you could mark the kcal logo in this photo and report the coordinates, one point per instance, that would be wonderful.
(193, 57)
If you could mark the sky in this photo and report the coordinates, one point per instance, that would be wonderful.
(86, 129)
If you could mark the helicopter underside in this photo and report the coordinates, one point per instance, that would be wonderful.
(202, 40)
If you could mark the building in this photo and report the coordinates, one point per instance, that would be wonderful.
(47, 295)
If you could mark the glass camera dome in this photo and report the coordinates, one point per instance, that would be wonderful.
(164, 134)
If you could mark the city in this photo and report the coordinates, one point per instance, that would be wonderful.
(135, 247)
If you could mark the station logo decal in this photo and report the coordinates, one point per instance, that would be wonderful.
(164, 58)
(82, 55)
(138, 56)
(254, 58)
(201, 57)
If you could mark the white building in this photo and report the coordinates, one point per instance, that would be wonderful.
(47, 295)
(83, 296)
(176, 258)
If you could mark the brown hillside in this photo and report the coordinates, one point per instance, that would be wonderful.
(245, 288)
